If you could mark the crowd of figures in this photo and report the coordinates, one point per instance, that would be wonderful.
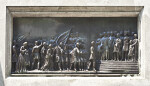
(43, 56)
(115, 45)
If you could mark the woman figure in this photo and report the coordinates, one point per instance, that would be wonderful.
(23, 60)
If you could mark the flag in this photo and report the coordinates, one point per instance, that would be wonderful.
(63, 37)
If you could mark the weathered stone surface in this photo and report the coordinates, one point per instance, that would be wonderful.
(142, 80)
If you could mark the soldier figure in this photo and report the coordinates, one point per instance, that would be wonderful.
(75, 55)
(111, 43)
(59, 55)
(52, 40)
(50, 56)
(36, 55)
(99, 39)
(62, 57)
(14, 57)
(23, 60)
(81, 66)
(106, 48)
(125, 48)
(92, 57)
(43, 54)
(117, 47)
(122, 42)
(100, 46)
(48, 63)
(135, 45)
(67, 59)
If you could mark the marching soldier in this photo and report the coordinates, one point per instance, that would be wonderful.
(43, 54)
(48, 63)
(59, 56)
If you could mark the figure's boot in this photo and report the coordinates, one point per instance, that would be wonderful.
(70, 66)
(67, 66)
(94, 69)
(81, 66)
(38, 65)
(63, 65)
(59, 66)
(75, 66)
(94, 66)
(79, 63)
(89, 65)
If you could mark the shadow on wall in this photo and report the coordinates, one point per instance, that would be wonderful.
(1, 77)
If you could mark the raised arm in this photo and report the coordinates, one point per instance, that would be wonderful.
(40, 45)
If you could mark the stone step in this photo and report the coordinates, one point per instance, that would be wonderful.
(120, 72)
(122, 65)
(119, 67)
(116, 63)
(115, 66)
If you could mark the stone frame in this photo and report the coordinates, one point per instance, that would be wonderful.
(68, 11)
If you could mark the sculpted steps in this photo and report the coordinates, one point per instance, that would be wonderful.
(119, 67)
